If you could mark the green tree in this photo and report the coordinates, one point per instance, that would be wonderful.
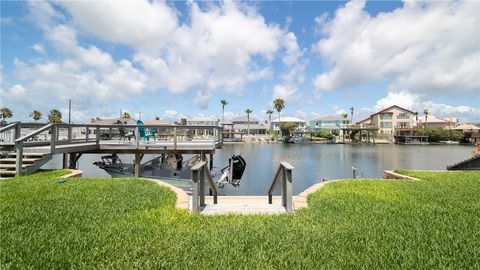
(279, 105)
(287, 128)
(426, 113)
(36, 115)
(440, 134)
(224, 103)
(126, 115)
(269, 112)
(248, 112)
(5, 113)
(55, 117)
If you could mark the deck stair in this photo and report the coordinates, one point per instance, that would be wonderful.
(31, 163)
(472, 163)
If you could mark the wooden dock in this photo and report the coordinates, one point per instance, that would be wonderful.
(19, 141)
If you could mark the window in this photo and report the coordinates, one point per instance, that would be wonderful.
(403, 124)
(403, 116)
(385, 116)
(386, 125)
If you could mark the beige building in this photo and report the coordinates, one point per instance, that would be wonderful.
(438, 122)
(389, 119)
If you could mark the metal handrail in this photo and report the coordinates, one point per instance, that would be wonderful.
(199, 171)
(284, 173)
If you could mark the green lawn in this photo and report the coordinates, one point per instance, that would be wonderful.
(131, 223)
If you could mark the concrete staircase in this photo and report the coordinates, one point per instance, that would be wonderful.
(30, 163)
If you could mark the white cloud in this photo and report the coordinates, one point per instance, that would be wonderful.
(426, 47)
(38, 48)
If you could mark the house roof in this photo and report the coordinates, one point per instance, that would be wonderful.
(252, 126)
(386, 109)
(330, 118)
(202, 119)
(243, 119)
(364, 120)
(436, 119)
(285, 119)
(156, 123)
(112, 121)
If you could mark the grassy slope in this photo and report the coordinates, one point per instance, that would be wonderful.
(126, 223)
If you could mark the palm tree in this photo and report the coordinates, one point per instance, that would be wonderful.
(126, 115)
(270, 112)
(224, 103)
(416, 117)
(55, 117)
(5, 113)
(425, 112)
(351, 113)
(279, 105)
(248, 112)
(36, 115)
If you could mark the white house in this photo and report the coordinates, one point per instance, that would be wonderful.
(301, 124)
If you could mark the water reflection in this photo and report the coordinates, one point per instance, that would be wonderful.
(312, 162)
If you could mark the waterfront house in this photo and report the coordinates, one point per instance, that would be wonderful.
(203, 122)
(389, 119)
(330, 123)
(438, 122)
(242, 124)
(301, 124)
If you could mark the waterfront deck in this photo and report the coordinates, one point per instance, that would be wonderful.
(18, 139)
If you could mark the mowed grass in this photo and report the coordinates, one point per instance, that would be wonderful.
(132, 223)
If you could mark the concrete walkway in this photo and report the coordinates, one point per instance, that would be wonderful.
(243, 205)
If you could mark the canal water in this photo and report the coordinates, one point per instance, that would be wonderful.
(312, 162)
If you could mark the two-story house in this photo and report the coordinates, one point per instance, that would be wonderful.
(331, 123)
(390, 119)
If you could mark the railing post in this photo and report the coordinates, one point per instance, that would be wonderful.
(69, 138)
(110, 133)
(284, 187)
(137, 136)
(175, 138)
(19, 160)
(87, 133)
(202, 185)
(53, 138)
(288, 190)
(195, 206)
(97, 136)
(18, 131)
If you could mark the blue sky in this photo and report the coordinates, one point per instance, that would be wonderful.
(179, 59)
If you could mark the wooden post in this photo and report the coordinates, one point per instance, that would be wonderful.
(87, 131)
(97, 136)
(18, 131)
(138, 159)
(65, 161)
(175, 138)
(137, 136)
(195, 207)
(288, 190)
(53, 138)
(69, 134)
(284, 187)
(19, 160)
(202, 185)
(72, 161)
(211, 162)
